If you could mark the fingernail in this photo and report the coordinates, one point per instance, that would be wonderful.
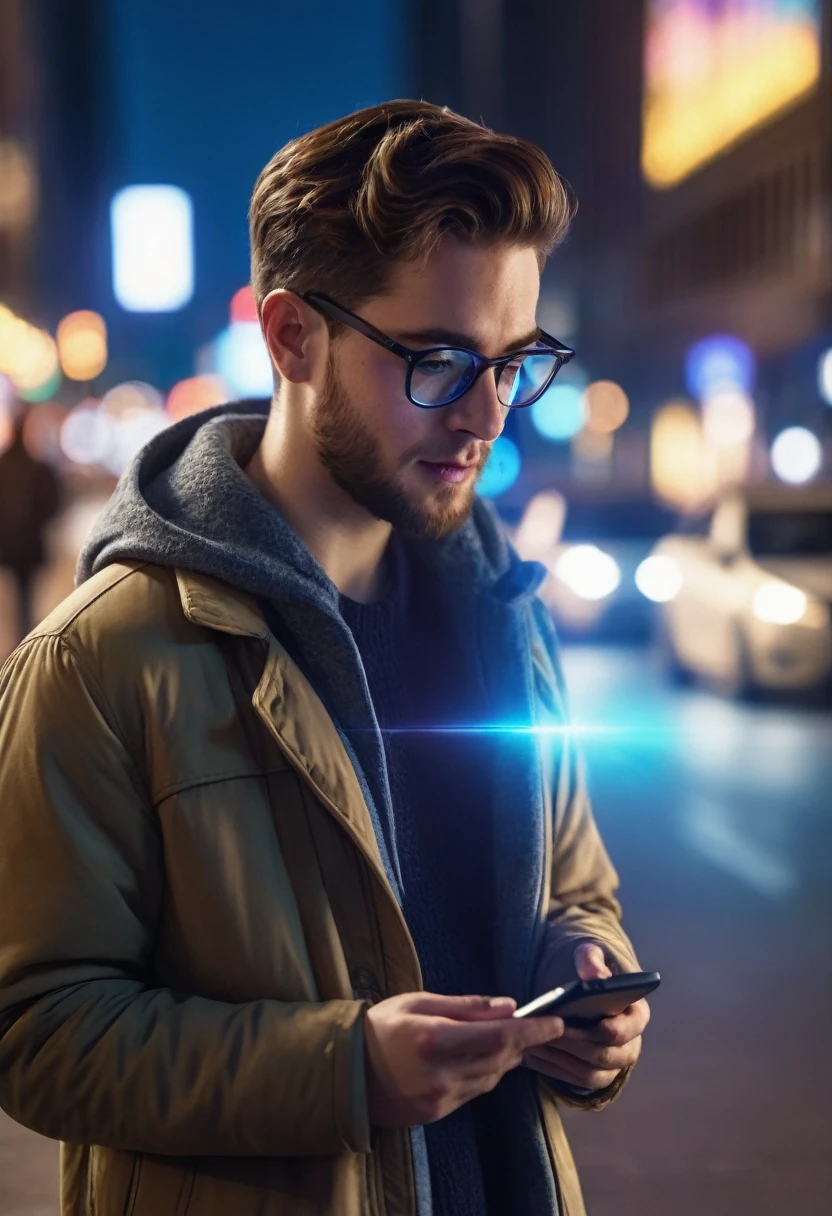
(496, 1002)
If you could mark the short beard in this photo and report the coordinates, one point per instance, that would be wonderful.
(352, 455)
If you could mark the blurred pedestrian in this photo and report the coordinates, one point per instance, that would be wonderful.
(29, 500)
(256, 870)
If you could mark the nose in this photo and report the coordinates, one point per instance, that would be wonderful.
(479, 412)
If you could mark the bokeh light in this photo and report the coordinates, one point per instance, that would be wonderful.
(779, 603)
(152, 248)
(86, 435)
(82, 345)
(18, 187)
(588, 571)
(242, 359)
(560, 413)
(244, 305)
(131, 397)
(28, 356)
(501, 470)
(195, 394)
(659, 578)
(796, 455)
(715, 71)
(682, 468)
(129, 435)
(825, 376)
(717, 363)
(607, 406)
(728, 418)
(541, 526)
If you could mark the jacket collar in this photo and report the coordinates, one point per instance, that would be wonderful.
(294, 714)
(217, 605)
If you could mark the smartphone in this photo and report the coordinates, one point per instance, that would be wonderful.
(586, 1001)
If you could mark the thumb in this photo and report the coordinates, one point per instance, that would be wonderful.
(463, 1008)
(590, 963)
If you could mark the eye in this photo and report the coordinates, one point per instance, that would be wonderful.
(437, 364)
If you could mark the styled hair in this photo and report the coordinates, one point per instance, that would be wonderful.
(333, 209)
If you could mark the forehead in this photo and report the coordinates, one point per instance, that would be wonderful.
(489, 292)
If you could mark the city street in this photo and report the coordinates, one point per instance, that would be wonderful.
(716, 816)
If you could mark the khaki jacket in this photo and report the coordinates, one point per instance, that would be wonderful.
(194, 915)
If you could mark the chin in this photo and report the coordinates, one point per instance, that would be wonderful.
(431, 520)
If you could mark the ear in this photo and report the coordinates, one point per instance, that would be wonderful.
(296, 335)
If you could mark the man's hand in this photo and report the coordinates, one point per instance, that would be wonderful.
(427, 1054)
(591, 1057)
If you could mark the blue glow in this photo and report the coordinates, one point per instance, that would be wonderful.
(243, 361)
(502, 469)
(560, 413)
(719, 362)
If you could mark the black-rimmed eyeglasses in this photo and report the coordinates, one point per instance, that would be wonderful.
(441, 374)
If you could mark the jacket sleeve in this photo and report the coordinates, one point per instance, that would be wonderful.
(89, 1052)
(582, 900)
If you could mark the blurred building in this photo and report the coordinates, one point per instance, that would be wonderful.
(196, 97)
(19, 186)
(698, 137)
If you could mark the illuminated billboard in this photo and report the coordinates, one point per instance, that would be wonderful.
(715, 69)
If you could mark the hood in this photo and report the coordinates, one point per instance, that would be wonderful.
(811, 574)
(185, 501)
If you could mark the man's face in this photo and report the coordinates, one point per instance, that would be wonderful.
(417, 468)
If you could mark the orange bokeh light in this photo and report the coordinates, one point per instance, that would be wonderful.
(195, 394)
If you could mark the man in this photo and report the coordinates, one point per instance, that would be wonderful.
(259, 863)
(29, 501)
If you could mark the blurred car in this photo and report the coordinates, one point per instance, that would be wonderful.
(593, 547)
(746, 605)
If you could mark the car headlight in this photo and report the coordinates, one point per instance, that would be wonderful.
(779, 603)
(588, 571)
(659, 578)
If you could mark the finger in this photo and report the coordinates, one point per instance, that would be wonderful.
(590, 962)
(614, 1031)
(463, 1008)
(444, 1039)
(573, 1072)
(608, 1059)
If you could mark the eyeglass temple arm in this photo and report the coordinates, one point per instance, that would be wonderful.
(565, 353)
(325, 305)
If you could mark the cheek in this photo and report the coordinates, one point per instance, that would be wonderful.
(396, 423)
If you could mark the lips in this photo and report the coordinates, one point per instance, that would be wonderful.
(449, 471)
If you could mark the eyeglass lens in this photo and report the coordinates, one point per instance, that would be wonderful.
(444, 375)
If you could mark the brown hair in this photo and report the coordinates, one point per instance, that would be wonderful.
(333, 208)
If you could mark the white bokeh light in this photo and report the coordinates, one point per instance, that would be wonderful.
(588, 571)
(825, 376)
(153, 248)
(659, 578)
(796, 455)
(779, 603)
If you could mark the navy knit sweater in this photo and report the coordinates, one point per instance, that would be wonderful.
(438, 782)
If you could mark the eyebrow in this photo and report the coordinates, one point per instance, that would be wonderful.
(451, 337)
